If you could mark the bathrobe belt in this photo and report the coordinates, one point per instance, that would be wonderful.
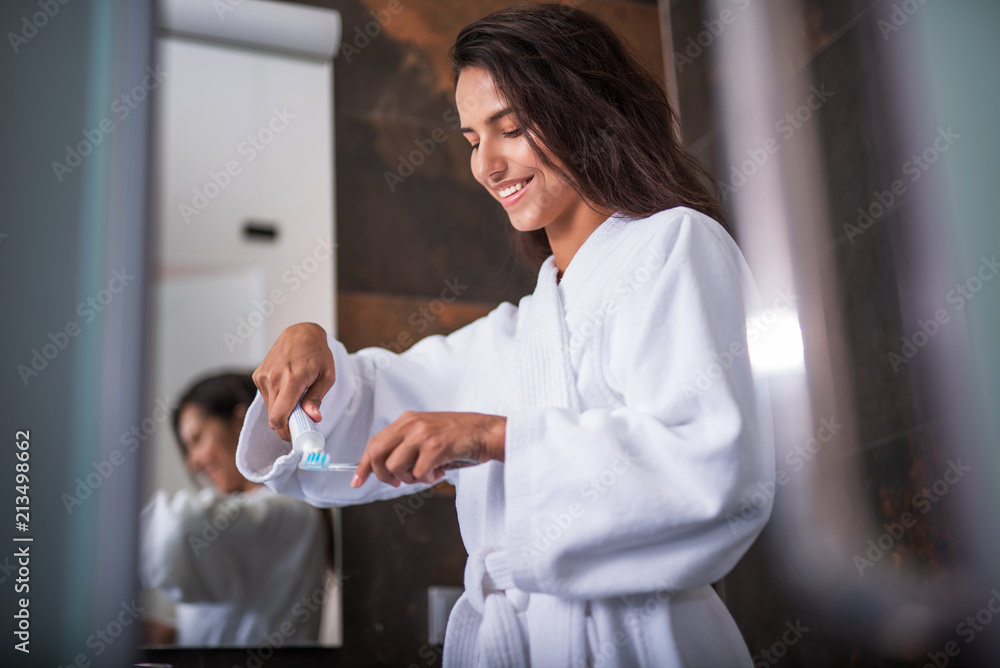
(483, 629)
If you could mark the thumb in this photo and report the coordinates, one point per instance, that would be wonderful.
(313, 398)
(311, 403)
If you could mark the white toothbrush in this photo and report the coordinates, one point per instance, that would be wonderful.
(307, 439)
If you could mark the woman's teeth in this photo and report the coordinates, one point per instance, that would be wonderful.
(506, 192)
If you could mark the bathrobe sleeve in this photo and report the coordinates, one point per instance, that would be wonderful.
(207, 548)
(648, 494)
(373, 387)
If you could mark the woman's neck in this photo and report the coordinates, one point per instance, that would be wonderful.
(249, 486)
(566, 237)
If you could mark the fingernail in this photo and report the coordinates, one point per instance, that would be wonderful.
(355, 481)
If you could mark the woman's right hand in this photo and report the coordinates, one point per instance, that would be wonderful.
(299, 359)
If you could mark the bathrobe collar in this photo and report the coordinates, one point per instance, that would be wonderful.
(541, 354)
(586, 259)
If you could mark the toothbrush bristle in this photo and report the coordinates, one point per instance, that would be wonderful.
(315, 461)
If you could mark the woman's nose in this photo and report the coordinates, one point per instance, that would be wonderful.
(193, 461)
(487, 162)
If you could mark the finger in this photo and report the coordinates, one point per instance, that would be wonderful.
(379, 447)
(260, 380)
(280, 410)
(429, 474)
(313, 398)
(401, 462)
(363, 471)
(426, 464)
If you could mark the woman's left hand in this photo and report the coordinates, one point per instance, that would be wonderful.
(418, 447)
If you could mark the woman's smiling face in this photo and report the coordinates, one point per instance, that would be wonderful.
(503, 161)
(210, 443)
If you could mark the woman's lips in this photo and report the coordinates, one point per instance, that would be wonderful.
(514, 196)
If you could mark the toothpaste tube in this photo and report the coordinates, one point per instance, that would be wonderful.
(305, 437)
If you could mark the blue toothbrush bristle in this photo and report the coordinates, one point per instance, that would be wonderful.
(315, 461)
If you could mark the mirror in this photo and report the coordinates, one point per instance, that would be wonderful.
(243, 246)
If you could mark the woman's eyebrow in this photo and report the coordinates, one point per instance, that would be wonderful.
(491, 120)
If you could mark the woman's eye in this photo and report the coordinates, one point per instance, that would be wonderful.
(513, 133)
(475, 146)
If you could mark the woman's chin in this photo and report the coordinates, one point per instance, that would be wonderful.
(523, 224)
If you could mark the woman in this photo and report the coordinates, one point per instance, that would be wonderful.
(610, 491)
(236, 558)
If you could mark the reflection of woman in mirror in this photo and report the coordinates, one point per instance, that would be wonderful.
(235, 557)
(613, 409)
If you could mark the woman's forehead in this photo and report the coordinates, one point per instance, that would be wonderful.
(191, 415)
(476, 96)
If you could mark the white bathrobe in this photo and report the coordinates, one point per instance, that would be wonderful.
(238, 566)
(619, 501)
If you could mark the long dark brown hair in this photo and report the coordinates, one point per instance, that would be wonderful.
(218, 396)
(575, 85)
